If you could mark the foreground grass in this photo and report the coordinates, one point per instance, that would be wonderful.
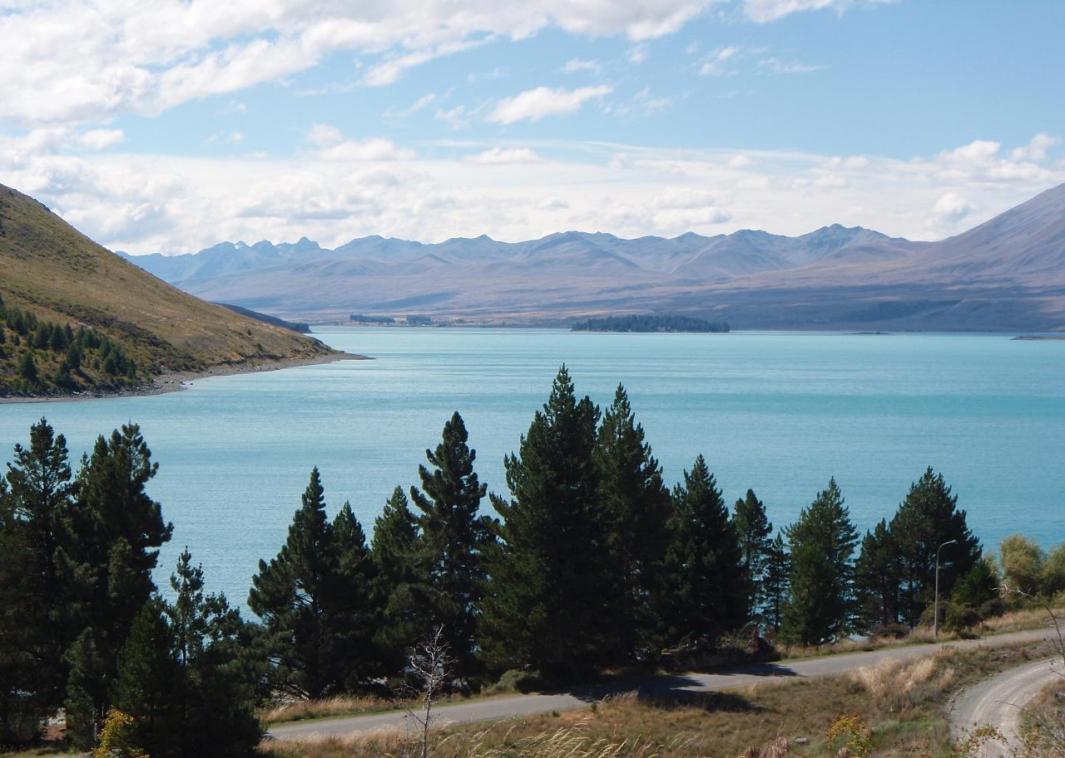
(893, 709)
(1043, 722)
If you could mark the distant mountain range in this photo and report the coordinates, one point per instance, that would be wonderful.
(1006, 274)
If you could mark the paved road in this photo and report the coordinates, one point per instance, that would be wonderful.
(997, 702)
(512, 706)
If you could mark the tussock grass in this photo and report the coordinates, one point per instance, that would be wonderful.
(301, 710)
(902, 703)
(1043, 722)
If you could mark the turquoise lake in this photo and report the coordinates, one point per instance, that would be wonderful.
(780, 413)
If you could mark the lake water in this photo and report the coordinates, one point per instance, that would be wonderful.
(780, 413)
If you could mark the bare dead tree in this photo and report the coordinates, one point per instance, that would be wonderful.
(429, 668)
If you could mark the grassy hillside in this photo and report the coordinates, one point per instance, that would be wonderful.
(67, 301)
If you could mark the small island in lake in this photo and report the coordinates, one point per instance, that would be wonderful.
(650, 323)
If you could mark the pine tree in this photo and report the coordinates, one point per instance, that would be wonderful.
(216, 714)
(41, 491)
(87, 696)
(352, 613)
(546, 607)
(776, 585)
(149, 686)
(23, 702)
(108, 548)
(754, 532)
(926, 519)
(291, 594)
(453, 538)
(821, 544)
(401, 585)
(637, 507)
(27, 367)
(978, 586)
(707, 580)
(876, 579)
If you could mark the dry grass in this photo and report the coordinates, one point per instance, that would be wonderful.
(1043, 722)
(918, 636)
(301, 710)
(901, 703)
(1018, 620)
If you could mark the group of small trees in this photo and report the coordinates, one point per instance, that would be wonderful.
(81, 626)
(37, 356)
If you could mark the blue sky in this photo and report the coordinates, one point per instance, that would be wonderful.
(180, 124)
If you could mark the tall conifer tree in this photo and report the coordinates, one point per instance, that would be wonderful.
(637, 507)
(353, 613)
(110, 539)
(546, 607)
(876, 579)
(453, 539)
(291, 594)
(400, 587)
(776, 584)
(927, 518)
(41, 491)
(822, 544)
(708, 584)
(754, 532)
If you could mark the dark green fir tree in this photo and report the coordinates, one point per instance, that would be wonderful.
(755, 535)
(453, 537)
(401, 586)
(637, 508)
(926, 519)
(292, 594)
(547, 605)
(708, 584)
(822, 545)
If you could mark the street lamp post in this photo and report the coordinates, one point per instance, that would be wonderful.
(935, 603)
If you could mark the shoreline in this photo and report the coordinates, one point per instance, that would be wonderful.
(176, 381)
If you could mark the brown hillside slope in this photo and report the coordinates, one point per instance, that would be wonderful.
(60, 276)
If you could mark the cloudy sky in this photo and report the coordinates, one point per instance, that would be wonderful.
(173, 125)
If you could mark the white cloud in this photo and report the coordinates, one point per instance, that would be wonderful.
(637, 54)
(324, 135)
(951, 207)
(506, 155)
(418, 105)
(331, 144)
(715, 63)
(764, 11)
(778, 66)
(538, 103)
(576, 65)
(100, 139)
(340, 187)
(457, 118)
(1036, 149)
(74, 61)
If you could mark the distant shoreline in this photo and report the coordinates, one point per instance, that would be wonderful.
(177, 381)
(1041, 338)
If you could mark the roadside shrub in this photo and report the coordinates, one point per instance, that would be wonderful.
(117, 737)
(851, 736)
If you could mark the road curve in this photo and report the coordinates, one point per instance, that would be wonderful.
(997, 702)
(512, 706)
